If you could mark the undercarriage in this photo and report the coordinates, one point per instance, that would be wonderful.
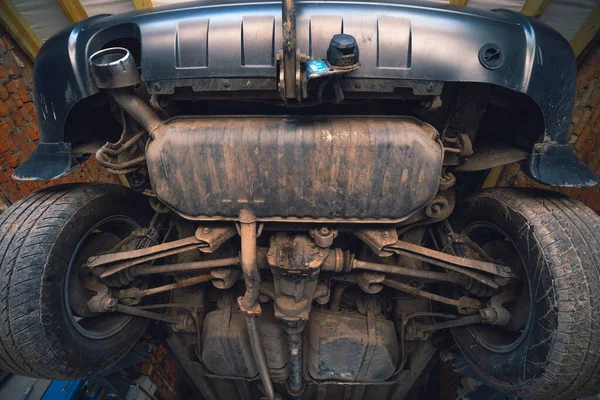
(354, 313)
(319, 255)
(306, 221)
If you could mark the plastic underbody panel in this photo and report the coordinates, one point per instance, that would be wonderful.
(200, 46)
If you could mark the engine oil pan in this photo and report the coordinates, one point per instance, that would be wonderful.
(354, 169)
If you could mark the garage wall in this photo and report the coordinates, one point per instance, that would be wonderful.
(18, 126)
(584, 133)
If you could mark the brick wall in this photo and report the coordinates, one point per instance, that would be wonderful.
(584, 134)
(19, 130)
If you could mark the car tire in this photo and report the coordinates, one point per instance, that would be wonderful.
(557, 353)
(39, 236)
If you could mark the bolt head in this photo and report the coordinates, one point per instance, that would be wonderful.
(206, 230)
(486, 314)
(324, 230)
(108, 303)
(157, 87)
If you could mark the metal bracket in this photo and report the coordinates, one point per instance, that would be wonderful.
(378, 239)
(322, 69)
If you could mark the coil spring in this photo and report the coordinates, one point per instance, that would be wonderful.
(479, 289)
(120, 279)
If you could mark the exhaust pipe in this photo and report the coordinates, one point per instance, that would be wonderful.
(114, 69)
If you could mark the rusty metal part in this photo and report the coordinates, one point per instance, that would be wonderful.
(215, 236)
(288, 20)
(465, 305)
(331, 75)
(337, 260)
(295, 384)
(378, 239)
(404, 271)
(447, 260)
(186, 267)
(323, 236)
(438, 208)
(295, 253)
(158, 205)
(224, 278)
(322, 293)
(478, 289)
(206, 239)
(136, 293)
(259, 356)
(143, 313)
(339, 152)
(413, 331)
(101, 301)
(465, 145)
(117, 267)
(98, 261)
(496, 314)
(267, 290)
(447, 180)
(295, 263)
(462, 321)
(370, 282)
(247, 230)
(137, 109)
(336, 298)
(488, 155)
(281, 76)
(157, 231)
(115, 149)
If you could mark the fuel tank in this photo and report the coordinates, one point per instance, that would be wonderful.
(346, 169)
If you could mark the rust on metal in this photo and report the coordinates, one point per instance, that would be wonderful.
(404, 271)
(110, 258)
(463, 304)
(248, 260)
(185, 267)
(444, 259)
(377, 239)
(177, 285)
(343, 162)
(288, 21)
(214, 236)
(117, 267)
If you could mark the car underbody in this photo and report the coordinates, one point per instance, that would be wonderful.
(315, 225)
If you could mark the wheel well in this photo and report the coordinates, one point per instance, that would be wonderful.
(511, 118)
(95, 119)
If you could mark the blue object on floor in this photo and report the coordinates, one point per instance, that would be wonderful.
(63, 390)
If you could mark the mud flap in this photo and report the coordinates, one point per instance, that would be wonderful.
(558, 165)
(47, 162)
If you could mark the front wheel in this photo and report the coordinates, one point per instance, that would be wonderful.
(44, 240)
(551, 347)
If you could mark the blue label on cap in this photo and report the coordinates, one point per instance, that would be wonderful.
(316, 66)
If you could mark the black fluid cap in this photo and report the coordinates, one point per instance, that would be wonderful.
(342, 51)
